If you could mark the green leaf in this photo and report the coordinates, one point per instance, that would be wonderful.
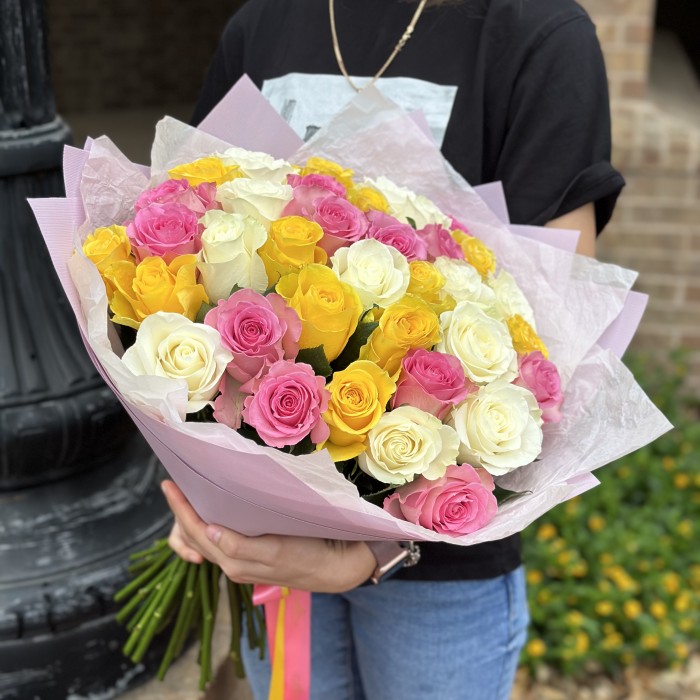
(251, 433)
(355, 343)
(204, 415)
(316, 357)
(503, 495)
(235, 289)
(303, 447)
(412, 222)
(204, 309)
(378, 496)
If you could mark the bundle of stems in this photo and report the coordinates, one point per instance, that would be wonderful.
(168, 594)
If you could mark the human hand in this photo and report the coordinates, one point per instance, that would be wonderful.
(304, 563)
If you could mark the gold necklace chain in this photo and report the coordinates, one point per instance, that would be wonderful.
(400, 44)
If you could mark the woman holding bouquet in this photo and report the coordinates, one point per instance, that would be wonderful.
(513, 90)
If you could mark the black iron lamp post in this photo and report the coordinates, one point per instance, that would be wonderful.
(78, 486)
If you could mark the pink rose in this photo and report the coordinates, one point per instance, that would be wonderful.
(342, 223)
(287, 405)
(457, 225)
(165, 230)
(228, 405)
(540, 376)
(440, 242)
(308, 189)
(258, 331)
(431, 381)
(199, 199)
(325, 184)
(458, 503)
(390, 231)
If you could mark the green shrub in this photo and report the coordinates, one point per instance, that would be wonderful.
(614, 575)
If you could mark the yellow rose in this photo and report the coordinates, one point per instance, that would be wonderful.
(291, 243)
(427, 282)
(359, 395)
(405, 325)
(209, 169)
(107, 245)
(150, 286)
(525, 340)
(366, 198)
(328, 308)
(321, 166)
(476, 252)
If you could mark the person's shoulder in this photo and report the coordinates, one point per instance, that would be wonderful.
(527, 21)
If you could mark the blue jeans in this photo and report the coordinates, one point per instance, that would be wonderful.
(406, 640)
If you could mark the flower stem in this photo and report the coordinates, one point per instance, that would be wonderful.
(162, 603)
(181, 623)
(139, 580)
(207, 627)
(234, 604)
(142, 594)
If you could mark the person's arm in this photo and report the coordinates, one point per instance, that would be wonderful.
(583, 220)
(304, 563)
(555, 155)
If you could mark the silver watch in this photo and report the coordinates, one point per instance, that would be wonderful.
(392, 556)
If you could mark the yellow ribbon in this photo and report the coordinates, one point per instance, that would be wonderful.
(277, 679)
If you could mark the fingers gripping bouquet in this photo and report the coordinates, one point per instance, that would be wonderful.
(338, 339)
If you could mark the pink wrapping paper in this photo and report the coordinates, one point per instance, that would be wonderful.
(584, 310)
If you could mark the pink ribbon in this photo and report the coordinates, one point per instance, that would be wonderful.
(288, 622)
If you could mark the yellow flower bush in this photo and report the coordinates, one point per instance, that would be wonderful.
(622, 565)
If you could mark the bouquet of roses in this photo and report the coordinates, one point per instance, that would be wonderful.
(333, 353)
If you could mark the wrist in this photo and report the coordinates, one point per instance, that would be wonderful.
(390, 557)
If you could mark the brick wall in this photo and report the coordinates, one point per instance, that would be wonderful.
(625, 29)
(656, 227)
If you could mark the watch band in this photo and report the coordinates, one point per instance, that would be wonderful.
(392, 556)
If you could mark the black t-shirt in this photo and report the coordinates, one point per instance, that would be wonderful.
(527, 104)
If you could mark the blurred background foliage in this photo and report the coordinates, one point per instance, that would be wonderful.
(614, 575)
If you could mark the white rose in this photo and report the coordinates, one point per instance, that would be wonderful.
(378, 273)
(499, 427)
(509, 299)
(481, 343)
(463, 282)
(172, 346)
(229, 254)
(408, 442)
(257, 165)
(405, 204)
(261, 199)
